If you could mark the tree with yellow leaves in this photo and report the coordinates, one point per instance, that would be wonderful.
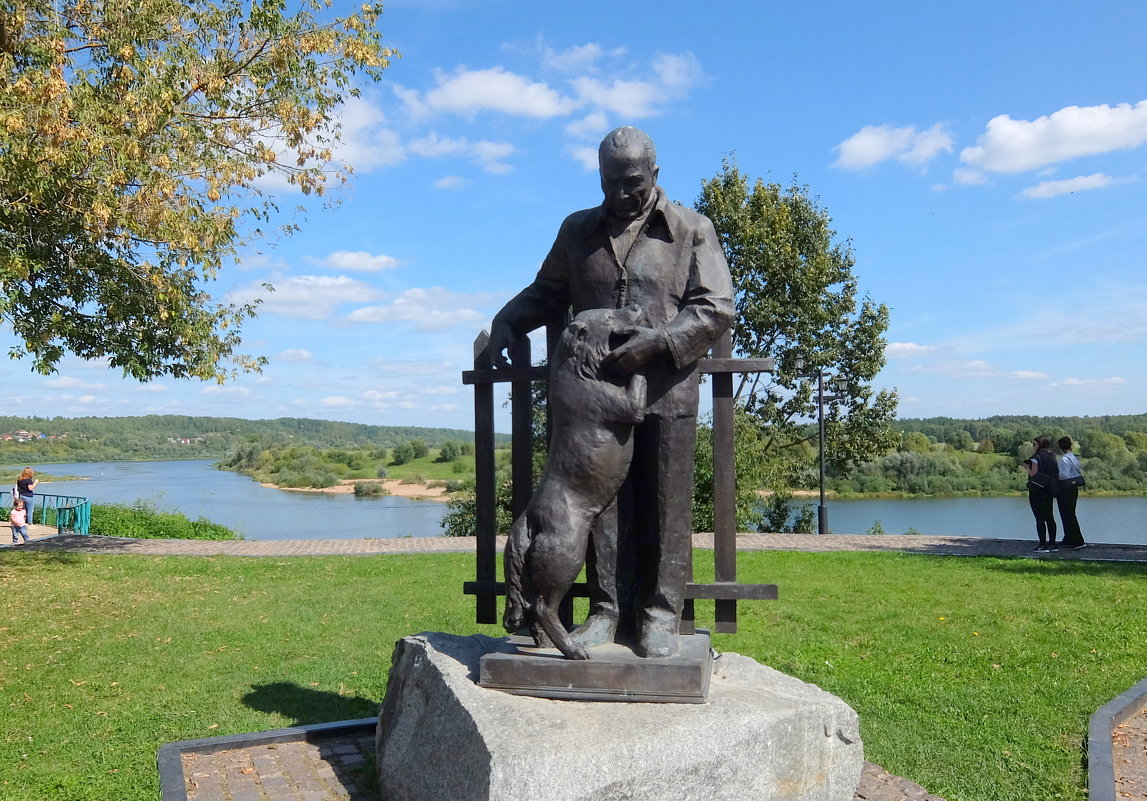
(133, 137)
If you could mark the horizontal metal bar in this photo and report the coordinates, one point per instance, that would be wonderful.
(500, 375)
(736, 365)
(721, 590)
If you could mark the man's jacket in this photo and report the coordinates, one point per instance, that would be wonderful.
(675, 270)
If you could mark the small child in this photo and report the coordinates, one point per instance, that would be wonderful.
(19, 520)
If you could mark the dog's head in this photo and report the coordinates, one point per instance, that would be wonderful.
(594, 333)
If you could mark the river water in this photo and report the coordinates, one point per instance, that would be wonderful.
(197, 489)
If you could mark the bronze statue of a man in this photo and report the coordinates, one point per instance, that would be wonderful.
(638, 248)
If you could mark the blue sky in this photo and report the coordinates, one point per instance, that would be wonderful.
(987, 160)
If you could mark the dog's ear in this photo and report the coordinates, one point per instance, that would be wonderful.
(573, 341)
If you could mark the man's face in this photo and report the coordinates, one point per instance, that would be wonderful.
(627, 180)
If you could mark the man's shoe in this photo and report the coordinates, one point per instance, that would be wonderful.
(658, 638)
(597, 630)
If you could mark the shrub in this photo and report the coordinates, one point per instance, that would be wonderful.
(142, 520)
(369, 489)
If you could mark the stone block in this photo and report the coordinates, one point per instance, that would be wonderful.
(762, 735)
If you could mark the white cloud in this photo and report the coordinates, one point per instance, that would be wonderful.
(356, 261)
(873, 144)
(630, 99)
(575, 59)
(443, 390)
(1091, 383)
(150, 388)
(451, 182)
(378, 396)
(976, 368)
(966, 177)
(487, 155)
(586, 156)
(365, 144)
(337, 402)
(906, 350)
(296, 355)
(311, 297)
(393, 368)
(594, 124)
(428, 309)
(1028, 375)
(218, 389)
(468, 92)
(677, 72)
(68, 382)
(1011, 146)
(87, 399)
(1081, 183)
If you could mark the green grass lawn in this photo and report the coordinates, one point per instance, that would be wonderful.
(974, 677)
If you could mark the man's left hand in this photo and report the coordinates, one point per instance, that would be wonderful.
(643, 346)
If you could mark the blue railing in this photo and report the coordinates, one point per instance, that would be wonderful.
(71, 514)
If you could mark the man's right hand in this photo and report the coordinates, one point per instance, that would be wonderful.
(501, 338)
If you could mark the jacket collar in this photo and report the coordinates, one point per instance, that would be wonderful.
(661, 211)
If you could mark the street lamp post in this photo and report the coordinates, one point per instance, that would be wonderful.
(841, 386)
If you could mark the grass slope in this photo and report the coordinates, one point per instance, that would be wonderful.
(974, 677)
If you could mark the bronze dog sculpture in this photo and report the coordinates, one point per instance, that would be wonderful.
(591, 448)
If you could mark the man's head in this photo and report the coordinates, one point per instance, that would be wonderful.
(628, 164)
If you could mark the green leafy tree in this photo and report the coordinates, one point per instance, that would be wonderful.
(451, 451)
(133, 138)
(403, 453)
(960, 440)
(796, 297)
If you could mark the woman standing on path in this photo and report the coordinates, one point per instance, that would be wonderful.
(1043, 475)
(26, 490)
(1068, 495)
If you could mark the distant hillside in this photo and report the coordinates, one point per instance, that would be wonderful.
(86, 439)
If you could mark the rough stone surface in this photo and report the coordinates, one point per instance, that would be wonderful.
(763, 736)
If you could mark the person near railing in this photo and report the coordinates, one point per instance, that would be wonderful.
(19, 521)
(26, 490)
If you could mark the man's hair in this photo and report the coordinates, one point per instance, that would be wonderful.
(619, 140)
(1064, 443)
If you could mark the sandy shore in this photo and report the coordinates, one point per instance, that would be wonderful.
(394, 486)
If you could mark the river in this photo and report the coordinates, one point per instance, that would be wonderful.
(197, 489)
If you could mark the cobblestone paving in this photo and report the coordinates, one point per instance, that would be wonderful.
(1129, 756)
(332, 769)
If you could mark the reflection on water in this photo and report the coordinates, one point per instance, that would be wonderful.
(197, 489)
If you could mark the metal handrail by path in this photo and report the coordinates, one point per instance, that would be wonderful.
(71, 514)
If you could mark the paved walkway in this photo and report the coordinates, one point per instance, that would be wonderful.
(938, 546)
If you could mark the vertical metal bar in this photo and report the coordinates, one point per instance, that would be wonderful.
(724, 488)
(822, 510)
(485, 523)
(522, 439)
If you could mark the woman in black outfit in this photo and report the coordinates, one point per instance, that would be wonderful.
(1043, 464)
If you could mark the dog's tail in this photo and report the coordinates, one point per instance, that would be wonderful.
(514, 560)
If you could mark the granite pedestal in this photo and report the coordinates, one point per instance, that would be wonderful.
(762, 735)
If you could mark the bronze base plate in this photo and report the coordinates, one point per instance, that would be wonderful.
(615, 673)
